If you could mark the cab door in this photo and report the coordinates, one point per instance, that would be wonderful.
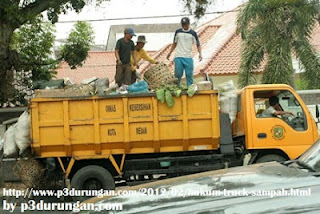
(292, 135)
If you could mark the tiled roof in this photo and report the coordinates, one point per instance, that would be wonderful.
(227, 60)
(204, 36)
(221, 47)
(98, 64)
(221, 50)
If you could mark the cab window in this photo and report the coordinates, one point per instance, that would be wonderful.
(287, 108)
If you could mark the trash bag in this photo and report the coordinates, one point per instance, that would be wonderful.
(102, 85)
(1, 143)
(226, 86)
(52, 84)
(22, 134)
(228, 103)
(137, 87)
(9, 146)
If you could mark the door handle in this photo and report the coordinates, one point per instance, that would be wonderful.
(262, 135)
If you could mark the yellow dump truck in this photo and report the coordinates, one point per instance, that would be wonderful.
(98, 140)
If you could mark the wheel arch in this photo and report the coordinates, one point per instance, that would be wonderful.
(262, 152)
(105, 163)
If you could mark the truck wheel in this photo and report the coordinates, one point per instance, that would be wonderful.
(269, 158)
(92, 178)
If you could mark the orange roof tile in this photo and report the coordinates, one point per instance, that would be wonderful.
(204, 36)
(98, 64)
(228, 59)
(221, 47)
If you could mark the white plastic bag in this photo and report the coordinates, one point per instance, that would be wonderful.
(1, 143)
(101, 85)
(9, 146)
(226, 86)
(228, 103)
(22, 136)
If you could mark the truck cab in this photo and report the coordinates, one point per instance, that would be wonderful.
(273, 137)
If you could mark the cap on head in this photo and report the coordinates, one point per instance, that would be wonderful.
(129, 31)
(141, 39)
(185, 21)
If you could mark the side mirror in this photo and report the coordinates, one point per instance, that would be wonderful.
(317, 112)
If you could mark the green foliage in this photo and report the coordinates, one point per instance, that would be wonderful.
(34, 44)
(301, 84)
(273, 30)
(17, 13)
(164, 94)
(197, 7)
(75, 51)
(191, 91)
(177, 92)
(14, 14)
(169, 98)
(161, 95)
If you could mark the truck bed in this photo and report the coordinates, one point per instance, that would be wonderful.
(123, 124)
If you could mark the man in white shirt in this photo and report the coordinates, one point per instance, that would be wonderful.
(184, 38)
(274, 109)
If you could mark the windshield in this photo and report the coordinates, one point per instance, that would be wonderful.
(312, 156)
(286, 102)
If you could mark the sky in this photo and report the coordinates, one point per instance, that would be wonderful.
(134, 8)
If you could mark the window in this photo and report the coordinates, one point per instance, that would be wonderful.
(286, 103)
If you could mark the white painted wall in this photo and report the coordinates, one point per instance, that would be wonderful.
(312, 109)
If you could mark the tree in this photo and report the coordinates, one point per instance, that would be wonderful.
(75, 51)
(34, 42)
(197, 7)
(274, 30)
(14, 14)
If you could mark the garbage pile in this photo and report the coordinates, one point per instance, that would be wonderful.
(65, 88)
(228, 99)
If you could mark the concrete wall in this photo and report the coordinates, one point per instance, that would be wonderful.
(222, 78)
(2, 130)
(142, 29)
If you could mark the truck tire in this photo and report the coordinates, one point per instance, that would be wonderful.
(269, 158)
(92, 177)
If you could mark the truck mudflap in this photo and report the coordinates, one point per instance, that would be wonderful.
(226, 141)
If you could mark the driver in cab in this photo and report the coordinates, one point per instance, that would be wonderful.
(274, 109)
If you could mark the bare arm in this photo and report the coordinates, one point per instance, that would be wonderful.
(200, 52)
(118, 57)
(134, 55)
(174, 45)
(282, 113)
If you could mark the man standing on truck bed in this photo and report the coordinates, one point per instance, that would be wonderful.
(124, 50)
(140, 54)
(184, 38)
